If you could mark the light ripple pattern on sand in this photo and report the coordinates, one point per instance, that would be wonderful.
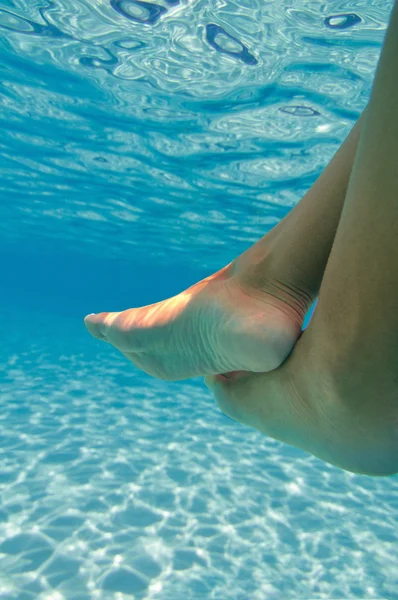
(112, 482)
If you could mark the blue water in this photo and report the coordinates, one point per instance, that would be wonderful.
(143, 146)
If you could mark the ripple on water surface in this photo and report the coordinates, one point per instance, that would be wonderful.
(180, 132)
(121, 119)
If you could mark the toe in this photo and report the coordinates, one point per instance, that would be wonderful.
(98, 324)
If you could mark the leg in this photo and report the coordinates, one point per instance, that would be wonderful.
(356, 321)
(336, 395)
(290, 260)
(248, 316)
(343, 369)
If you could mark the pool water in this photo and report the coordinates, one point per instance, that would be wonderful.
(144, 146)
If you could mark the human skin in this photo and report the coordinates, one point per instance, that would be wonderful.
(248, 315)
(337, 393)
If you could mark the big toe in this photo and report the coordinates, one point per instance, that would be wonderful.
(98, 324)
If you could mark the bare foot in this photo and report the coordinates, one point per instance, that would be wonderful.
(218, 325)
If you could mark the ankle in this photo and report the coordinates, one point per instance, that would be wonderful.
(295, 300)
(262, 269)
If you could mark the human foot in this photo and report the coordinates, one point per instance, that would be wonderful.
(219, 325)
